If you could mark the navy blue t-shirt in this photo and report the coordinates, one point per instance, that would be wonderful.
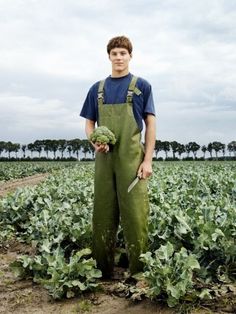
(115, 92)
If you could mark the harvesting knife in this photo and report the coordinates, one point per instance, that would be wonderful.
(133, 183)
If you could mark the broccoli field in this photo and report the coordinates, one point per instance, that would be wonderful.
(192, 235)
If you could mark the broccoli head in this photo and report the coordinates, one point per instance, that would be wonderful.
(102, 135)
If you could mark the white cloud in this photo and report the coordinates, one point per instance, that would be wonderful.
(35, 118)
(52, 51)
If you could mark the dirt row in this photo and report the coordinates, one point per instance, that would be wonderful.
(10, 186)
(25, 297)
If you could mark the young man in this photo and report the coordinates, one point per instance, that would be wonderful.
(121, 102)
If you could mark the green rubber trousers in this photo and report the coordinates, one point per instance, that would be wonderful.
(114, 171)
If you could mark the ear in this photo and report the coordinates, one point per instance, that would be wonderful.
(131, 56)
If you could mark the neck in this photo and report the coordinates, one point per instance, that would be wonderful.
(119, 73)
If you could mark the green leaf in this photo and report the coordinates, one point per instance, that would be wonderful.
(83, 252)
(205, 294)
(70, 294)
(46, 246)
(218, 233)
(192, 263)
(165, 251)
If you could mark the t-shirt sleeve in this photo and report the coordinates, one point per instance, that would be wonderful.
(90, 108)
(149, 107)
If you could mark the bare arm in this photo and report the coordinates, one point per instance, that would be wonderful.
(89, 127)
(145, 169)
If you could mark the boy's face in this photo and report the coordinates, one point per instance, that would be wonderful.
(120, 58)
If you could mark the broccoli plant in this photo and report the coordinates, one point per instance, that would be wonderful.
(102, 135)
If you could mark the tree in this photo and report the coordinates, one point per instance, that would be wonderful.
(232, 148)
(192, 147)
(23, 148)
(210, 148)
(217, 146)
(166, 147)
(9, 147)
(223, 150)
(92, 150)
(38, 146)
(174, 146)
(69, 148)
(188, 149)
(62, 145)
(2, 147)
(47, 146)
(204, 149)
(30, 147)
(158, 147)
(54, 147)
(76, 145)
(180, 150)
(16, 148)
(86, 147)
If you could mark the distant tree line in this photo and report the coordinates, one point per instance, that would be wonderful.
(193, 148)
(73, 148)
(55, 147)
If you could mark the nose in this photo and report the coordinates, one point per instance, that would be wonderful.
(118, 56)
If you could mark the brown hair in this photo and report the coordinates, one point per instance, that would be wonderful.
(119, 42)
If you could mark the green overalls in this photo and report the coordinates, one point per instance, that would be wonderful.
(114, 171)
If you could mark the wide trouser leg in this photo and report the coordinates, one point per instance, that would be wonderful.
(105, 214)
(134, 209)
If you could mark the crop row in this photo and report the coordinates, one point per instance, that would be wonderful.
(17, 170)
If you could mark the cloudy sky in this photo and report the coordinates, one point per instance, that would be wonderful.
(52, 51)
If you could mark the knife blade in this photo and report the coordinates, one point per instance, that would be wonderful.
(133, 183)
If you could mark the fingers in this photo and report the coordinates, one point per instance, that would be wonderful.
(147, 174)
(140, 174)
(106, 148)
(144, 171)
(101, 148)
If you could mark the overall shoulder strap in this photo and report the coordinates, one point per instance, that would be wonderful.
(131, 89)
(101, 92)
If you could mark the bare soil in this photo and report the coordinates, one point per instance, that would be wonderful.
(25, 297)
(12, 185)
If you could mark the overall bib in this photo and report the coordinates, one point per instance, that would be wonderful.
(114, 171)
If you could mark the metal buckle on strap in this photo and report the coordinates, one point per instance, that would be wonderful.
(129, 96)
(100, 95)
(130, 93)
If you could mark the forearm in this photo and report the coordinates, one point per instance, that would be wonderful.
(89, 127)
(145, 169)
(150, 137)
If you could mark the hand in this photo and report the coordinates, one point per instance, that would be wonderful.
(145, 170)
(101, 148)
